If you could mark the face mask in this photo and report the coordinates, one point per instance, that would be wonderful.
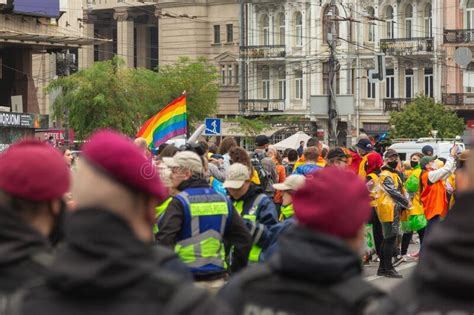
(413, 164)
(57, 233)
(393, 164)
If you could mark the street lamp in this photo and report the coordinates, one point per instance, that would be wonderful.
(434, 133)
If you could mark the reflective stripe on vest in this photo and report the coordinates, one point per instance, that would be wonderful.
(286, 212)
(200, 244)
(159, 212)
(256, 250)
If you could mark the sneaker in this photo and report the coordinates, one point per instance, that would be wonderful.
(381, 272)
(393, 274)
(396, 261)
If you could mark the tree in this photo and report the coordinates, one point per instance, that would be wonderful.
(421, 116)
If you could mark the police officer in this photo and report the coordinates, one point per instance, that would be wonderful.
(255, 207)
(33, 179)
(107, 264)
(317, 268)
(198, 221)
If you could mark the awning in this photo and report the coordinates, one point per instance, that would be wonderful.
(13, 37)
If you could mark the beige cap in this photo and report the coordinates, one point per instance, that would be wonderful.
(236, 176)
(292, 182)
(186, 160)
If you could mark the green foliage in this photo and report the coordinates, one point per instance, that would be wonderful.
(249, 127)
(110, 96)
(421, 116)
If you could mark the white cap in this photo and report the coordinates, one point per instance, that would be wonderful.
(236, 176)
(292, 182)
(186, 160)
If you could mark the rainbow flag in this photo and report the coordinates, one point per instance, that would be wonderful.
(170, 122)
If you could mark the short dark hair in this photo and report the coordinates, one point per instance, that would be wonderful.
(311, 154)
(312, 142)
(292, 155)
(418, 154)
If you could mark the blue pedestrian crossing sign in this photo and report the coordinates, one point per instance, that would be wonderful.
(213, 126)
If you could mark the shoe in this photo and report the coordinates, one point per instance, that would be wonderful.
(392, 274)
(381, 272)
(396, 261)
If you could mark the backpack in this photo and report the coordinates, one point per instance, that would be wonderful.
(266, 181)
(297, 296)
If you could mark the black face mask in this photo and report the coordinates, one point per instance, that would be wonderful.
(393, 164)
(57, 233)
(414, 164)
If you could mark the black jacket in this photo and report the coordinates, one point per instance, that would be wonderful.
(104, 269)
(20, 246)
(297, 278)
(236, 234)
(443, 281)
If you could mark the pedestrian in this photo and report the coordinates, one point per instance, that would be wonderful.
(224, 148)
(215, 168)
(31, 210)
(276, 157)
(239, 155)
(292, 158)
(433, 189)
(364, 148)
(198, 221)
(317, 268)
(427, 150)
(337, 157)
(311, 157)
(143, 146)
(67, 155)
(300, 149)
(255, 207)
(108, 264)
(264, 165)
(312, 142)
(389, 207)
(442, 281)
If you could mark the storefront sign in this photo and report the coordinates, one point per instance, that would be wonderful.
(16, 120)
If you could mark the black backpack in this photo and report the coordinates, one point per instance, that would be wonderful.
(266, 181)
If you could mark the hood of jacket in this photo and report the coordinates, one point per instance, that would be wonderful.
(315, 257)
(18, 240)
(448, 255)
(101, 254)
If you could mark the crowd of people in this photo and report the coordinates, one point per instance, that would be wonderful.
(215, 229)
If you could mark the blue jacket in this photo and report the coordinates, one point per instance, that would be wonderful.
(306, 169)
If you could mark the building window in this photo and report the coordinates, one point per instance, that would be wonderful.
(265, 31)
(470, 15)
(408, 21)
(282, 89)
(265, 82)
(298, 85)
(428, 21)
(230, 33)
(237, 75)
(230, 76)
(371, 25)
(409, 83)
(429, 82)
(370, 88)
(390, 22)
(281, 29)
(217, 34)
(223, 80)
(328, 22)
(299, 29)
(389, 84)
(468, 78)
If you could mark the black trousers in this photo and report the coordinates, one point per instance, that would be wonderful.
(387, 248)
(377, 230)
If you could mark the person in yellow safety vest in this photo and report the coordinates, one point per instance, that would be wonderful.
(198, 221)
(255, 207)
(312, 142)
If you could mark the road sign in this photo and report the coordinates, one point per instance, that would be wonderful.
(213, 126)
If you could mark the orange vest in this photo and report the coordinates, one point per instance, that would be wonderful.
(433, 198)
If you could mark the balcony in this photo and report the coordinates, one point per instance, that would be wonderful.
(395, 104)
(273, 106)
(458, 36)
(459, 100)
(263, 52)
(407, 46)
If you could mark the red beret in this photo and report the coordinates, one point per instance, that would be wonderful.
(374, 162)
(34, 170)
(333, 201)
(117, 156)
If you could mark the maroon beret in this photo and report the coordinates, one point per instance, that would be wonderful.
(333, 201)
(34, 170)
(117, 156)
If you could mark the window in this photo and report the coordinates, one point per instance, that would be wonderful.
(237, 75)
(281, 29)
(429, 82)
(265, 31)
(428, 21)
(265, 82)
(370, 88)
(468, 78)
(371, 25)
(217, 34)
(281, 89)
(409, 83)
(470, 15)
(390, 84)
(299, 29)
(390, 23)
(328, 21)
(298, 85)
(230, 33)
(230, 76)
(408, 21)
(223, 81)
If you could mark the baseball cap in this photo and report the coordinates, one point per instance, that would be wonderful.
(186, 160)
(318, 204)
(292, 182)
(426, 160)
(236, 176)
(261, 140)
(34, 170)
(337, 153)
(365, 144)
(117, 156)
(389, 153)
(427, 150)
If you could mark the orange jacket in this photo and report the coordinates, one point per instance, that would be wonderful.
(278, 198)
(433, 197)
